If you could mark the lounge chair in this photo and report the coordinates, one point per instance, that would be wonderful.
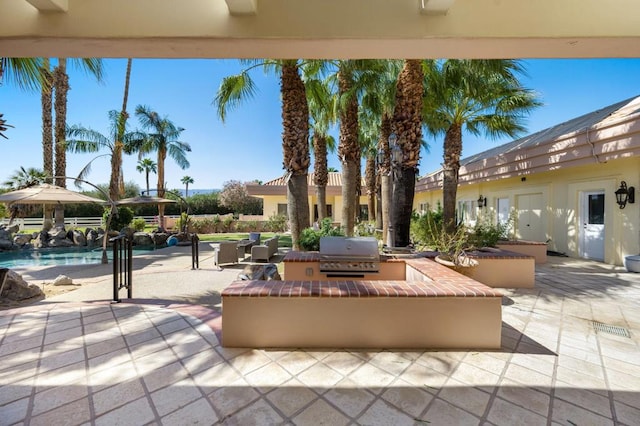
(265, 251)
(227, 252)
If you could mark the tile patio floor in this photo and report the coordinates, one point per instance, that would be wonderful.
(136, 364)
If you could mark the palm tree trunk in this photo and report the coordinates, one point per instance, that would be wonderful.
(370, 177)
(451, 166)
(320, 174)
(116, 156)
(61, 81)
(162, 155)
(407, 123)
(47, 130)
(295, 148)
(385, 181)
(349, 153)
(147, 179)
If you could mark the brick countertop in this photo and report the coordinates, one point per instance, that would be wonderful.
(357, 289)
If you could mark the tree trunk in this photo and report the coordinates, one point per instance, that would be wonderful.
(295, 148)
(320, 174)
(349, 153)
(349, 173)
(162, 155)
(61, 81)
(116, 155)
(370, 177)
(451, 166)
(407, 124)
(298, 201)
(47, 130)
(321, 194)
(403, 198)
(385, 181)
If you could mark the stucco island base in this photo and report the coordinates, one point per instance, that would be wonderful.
(457, 313)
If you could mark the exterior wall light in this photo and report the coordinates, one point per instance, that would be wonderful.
(482, 202)
(625, 195)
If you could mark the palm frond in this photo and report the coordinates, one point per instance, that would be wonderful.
(232, 92)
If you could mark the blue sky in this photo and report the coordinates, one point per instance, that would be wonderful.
(248, 145)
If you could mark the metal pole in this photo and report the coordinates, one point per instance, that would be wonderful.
(129, 267)
(116, 283)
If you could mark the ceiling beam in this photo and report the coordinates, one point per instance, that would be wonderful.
(50, 5)
(435, 7)
(242, 7)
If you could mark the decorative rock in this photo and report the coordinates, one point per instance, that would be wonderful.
(91, 237)
(62, 280)
(12, 229)
(6, 244)
(129, 232)
(41, 240)
(78, 238)
(54, 242)
(58, 233)
(159, 238)
(16, 288)
(142, 239)
(4, 234)
(22, 239)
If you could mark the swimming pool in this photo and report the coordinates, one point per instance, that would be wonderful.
(58, 256)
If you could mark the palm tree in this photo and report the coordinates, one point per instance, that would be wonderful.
(295, 134)
(24, 178)
(377, 112)
(147, 165)
(407, 125)
(322, 116)
(479, 96)
(163, 139)
(61, 88)
(116, 181)
(353, 78)
(23, 72)
(3, 126)
(186, 180)
(85, 140)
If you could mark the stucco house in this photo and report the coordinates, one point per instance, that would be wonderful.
(274, 194)
(558, 185)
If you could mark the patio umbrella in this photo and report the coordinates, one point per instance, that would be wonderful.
(46, 194)
(143, 199)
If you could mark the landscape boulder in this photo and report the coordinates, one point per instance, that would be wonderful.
(159, 238)
(16, 288)
(142, 239)
(41, 240)
(78, 238)
(22, 239)
(62, 280)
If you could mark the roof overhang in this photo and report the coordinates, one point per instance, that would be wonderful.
(319, 29)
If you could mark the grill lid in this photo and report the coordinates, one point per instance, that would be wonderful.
(349, 247)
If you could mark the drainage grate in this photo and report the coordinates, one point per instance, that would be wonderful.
(610, 329)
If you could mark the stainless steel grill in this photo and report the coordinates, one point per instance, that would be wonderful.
(349, 256)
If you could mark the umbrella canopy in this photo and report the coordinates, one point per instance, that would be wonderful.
(46, 194)
(143, 199)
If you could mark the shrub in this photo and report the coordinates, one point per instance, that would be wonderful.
(366, 229)
(138, 224)
(184, 222)
(486, 233)
(227, 223)
(277, 223)
(119, 221)
(310, 238)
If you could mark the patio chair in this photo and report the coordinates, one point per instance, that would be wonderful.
(227, 252)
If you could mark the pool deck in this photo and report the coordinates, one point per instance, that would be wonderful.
(159, 360)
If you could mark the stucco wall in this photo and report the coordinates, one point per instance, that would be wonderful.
(560, 211)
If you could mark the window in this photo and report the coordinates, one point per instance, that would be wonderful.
(315, 211)
(467, 212)
(282, 210)
(423, 208)
(363, 212)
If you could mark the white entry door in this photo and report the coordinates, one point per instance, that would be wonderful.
(530, 224)
(592, 225)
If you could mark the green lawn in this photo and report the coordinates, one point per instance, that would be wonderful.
(283, 240)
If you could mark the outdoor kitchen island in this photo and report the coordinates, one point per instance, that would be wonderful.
(411, 302)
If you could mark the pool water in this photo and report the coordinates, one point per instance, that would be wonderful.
(58, 256)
